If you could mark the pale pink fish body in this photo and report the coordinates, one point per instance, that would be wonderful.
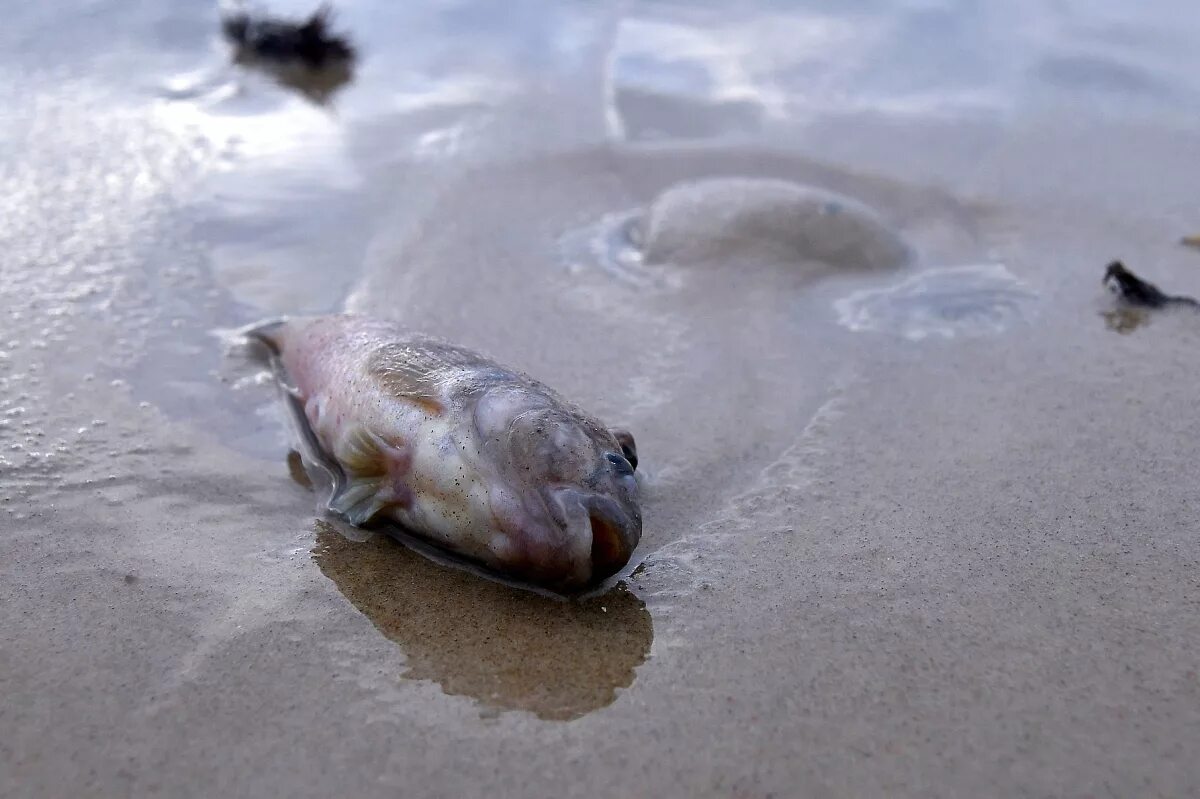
(476, 458)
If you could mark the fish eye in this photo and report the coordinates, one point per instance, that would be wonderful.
(628, 448)
(630, 456)
(620, 464)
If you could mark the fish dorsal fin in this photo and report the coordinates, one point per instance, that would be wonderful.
(416, 371)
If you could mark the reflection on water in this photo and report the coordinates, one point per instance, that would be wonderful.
(1125, 320)
(507, 649)
(317, 84)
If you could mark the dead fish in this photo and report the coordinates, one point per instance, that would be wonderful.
(1133, 290)
(475, 458)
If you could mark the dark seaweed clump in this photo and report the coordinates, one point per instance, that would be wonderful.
(310, 41)
(305, 55)
(1133, 290)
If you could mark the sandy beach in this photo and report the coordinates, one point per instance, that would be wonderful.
(920, 505)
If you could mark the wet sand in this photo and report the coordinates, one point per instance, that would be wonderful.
(919, 523)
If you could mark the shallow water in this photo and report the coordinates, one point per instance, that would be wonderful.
(917, 519)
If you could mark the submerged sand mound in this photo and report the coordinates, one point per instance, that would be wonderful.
(719, 219)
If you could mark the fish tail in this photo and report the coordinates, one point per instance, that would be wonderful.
(266, 332)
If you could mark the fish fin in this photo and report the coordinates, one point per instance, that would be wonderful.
(357, 500)
(375, 471)
(266, 332)
(363, 453)
(408, 373)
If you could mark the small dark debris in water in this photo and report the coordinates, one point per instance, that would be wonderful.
(1191, 241)
(303, 54)
(1134, 291)
(130, 579)
(309, 41)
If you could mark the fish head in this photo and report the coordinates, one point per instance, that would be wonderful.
(565, 496)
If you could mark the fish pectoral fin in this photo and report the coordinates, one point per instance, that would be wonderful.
(358, 500)
(375, 472)
(363, 453)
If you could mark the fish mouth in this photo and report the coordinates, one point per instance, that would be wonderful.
(601, 534)
(569, 538)
(614, 537)
(598, 535)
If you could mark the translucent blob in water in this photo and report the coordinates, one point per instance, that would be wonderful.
(723, 218)
(738, 221)
(960, 301)
(611, 245)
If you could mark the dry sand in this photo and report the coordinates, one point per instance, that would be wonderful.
(912, 530)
